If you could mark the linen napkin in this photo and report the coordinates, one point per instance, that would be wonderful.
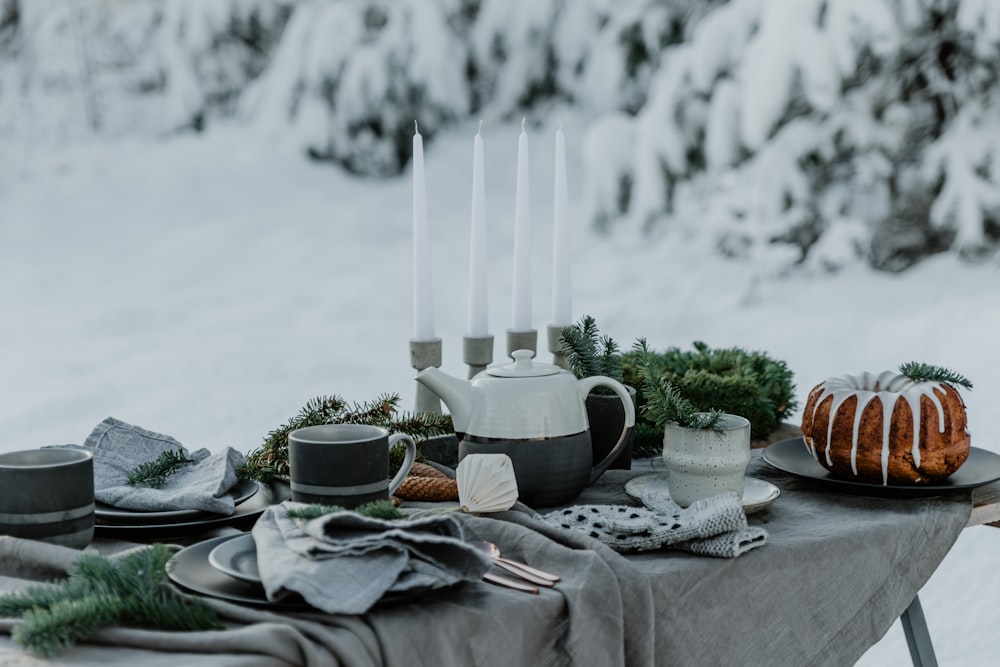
(343, 562)
(202, 485)
(715, 526)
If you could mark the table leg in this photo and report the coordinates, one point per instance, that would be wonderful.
(918, 638)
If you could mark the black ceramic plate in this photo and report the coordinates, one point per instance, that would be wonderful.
(792, 456)
(242, 491)
(190, 569)
(244, 516)
(237, 558)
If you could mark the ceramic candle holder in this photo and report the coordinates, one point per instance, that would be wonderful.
(555, 346)
(521, 340)
(477, 353)
(48, 495)
(426, 354)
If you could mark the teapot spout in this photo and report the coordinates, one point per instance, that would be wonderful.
(454, 392)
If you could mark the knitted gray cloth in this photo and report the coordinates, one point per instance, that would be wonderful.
(715, 526)
(727, 545)
(202, 485)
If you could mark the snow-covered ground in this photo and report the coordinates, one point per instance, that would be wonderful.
(206, 287)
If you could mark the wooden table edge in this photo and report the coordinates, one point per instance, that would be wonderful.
(985, 506)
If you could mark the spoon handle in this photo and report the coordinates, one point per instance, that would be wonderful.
(509, 583)
(524, 572)
(541, 574)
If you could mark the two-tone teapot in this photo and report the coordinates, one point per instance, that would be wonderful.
(535, 413)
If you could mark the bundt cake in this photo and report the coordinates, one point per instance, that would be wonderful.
(857, 427)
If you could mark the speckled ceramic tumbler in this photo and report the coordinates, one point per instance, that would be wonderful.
(48, 495)
(702, 462)
(344, 464)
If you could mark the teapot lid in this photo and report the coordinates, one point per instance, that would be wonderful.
(523, 367)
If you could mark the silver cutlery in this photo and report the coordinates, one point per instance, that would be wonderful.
(509, 583)
(532, 574)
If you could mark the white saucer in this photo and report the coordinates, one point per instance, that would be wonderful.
(757, 494)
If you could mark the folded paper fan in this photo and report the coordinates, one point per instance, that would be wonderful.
(486, 483)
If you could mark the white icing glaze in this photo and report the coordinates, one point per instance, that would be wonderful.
(888, 387)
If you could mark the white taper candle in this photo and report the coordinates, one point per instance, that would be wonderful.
(522, 240)
(478, 294)
(562, 292)
(423, 296)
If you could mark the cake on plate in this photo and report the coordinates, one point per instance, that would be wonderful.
(888, 428)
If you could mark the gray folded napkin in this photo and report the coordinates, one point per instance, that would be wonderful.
(343, 562)
(715, 526)
(202, 485)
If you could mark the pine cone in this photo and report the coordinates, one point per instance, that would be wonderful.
(424, 470)
(431, 489)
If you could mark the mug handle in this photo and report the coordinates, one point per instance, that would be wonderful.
(411, 455)
(586, 385)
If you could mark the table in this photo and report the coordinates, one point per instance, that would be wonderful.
(836, 573)
(985, 512)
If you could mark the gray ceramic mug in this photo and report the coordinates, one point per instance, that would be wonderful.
(345, 464)
(48, 495)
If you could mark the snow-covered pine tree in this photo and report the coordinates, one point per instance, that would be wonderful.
(349, 78)
(812, 133)
(69, 69)
(819, 132)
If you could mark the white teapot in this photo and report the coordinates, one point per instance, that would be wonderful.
(535, 413)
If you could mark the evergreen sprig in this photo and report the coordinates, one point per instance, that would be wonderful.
(664, 402)
(154, 473)
(377, 509)
(50, 631)
(270, 460)
(921, 372)
(99, 592)
(734, 380)
(589, 353)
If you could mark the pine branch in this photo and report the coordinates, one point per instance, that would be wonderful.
(167, 611)
(154, 473)
(664, 402)
(99, 592)
(377, 509)
(271, 459)
(579, 344)
(920, 372)
(422, 425)
(589, 353)
(314, 511)
(734, 380)
(378, 412)
(50, 631)
(16, 604)
(381, 509)
(611, 359)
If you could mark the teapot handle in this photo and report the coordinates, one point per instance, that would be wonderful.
(586, 385)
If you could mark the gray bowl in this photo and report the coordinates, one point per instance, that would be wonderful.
(48, 495)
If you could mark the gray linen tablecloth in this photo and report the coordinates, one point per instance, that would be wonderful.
(836, 572)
